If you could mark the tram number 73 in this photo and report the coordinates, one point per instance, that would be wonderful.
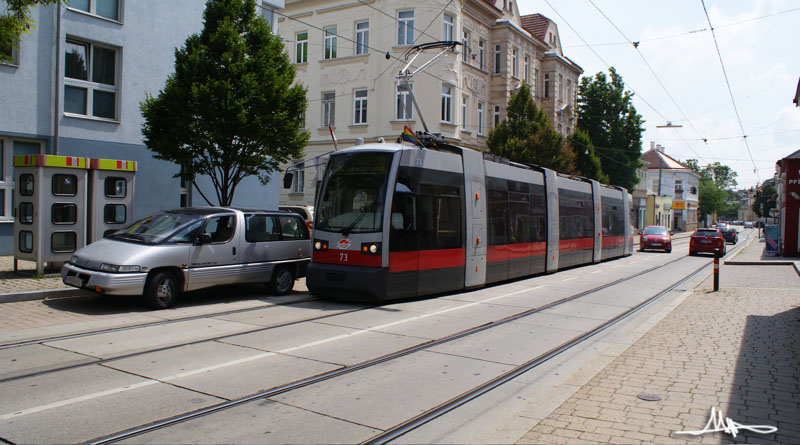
(343, 257)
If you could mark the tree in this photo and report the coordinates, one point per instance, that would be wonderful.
(229, 110)
(527, 137)
(716, 194)
(607, 115)
(765, 200)
(587, 163)
(16, 21)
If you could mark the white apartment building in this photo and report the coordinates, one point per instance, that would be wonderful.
(348, 54)
(668, 177)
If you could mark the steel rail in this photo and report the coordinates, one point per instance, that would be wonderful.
(467, 396)
(359, 366)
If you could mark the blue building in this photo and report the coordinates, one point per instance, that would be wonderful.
(74, 89)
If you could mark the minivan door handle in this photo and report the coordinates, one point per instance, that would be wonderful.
(234, 250)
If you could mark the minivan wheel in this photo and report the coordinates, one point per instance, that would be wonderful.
(161, 290)
(282, 281)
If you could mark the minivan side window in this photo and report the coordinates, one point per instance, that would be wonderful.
(292, 228)
(260, 228)
(221, 228)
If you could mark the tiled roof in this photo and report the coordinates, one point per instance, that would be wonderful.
(536, 25)
(654, 156)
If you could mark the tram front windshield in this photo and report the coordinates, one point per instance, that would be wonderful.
(353, 193)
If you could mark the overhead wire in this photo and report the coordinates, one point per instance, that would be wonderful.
(655, 75)
(730, 91)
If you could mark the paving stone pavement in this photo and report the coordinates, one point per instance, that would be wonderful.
(737, 350)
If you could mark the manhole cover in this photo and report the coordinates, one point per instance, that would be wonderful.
(649, 397)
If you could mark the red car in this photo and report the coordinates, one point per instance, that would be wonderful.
(655, 237)
(706, 240)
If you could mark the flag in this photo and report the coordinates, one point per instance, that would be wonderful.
(409, 136)
(333, 136)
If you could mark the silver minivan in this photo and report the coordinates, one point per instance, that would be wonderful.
(185, 249)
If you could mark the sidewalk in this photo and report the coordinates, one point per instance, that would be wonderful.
(25, 285)
(736, 350)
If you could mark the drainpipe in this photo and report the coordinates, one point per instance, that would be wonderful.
(56, 84)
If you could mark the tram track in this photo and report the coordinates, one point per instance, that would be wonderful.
(429, 415)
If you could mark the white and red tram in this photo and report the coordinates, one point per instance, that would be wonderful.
(397, 221)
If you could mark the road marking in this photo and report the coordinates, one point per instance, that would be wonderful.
(597, 271)
(251, 358)
(568, 279)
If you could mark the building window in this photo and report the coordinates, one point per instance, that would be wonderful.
(527, 70)
(447, 103)
(360, 107)
(116, 187)
(496, 117)
(569, 92)
(90, 79)
(403, 107)
(114, 214)
(329, 109)
(405, 28)
(514, 71)
(560, 87)
(480, 118)
(63, 242)
(362, 38)
(299, 177)
(465, 50)
(482, 54)
(64, 213)
(535, 82)
(330, 43)
(65, 185)
(25, 241)
(26, 184)
(546, 85)
(463, 112)
(103, 8)
(497, 58)
(447, 30)
(11, 53)
(301, 47)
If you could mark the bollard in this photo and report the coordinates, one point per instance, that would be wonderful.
(717, 255)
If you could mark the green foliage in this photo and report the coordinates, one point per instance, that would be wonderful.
(15, 21)
(229, 110)
(588, 163)
(716, 189)
(766, 200)
(527, 137)
(607, 115)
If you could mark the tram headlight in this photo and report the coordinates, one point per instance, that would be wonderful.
(320, 245)
(371, 248)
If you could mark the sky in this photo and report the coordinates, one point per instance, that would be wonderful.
(676, 72)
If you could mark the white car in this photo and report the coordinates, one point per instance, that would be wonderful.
(748, 225)
(186, 249)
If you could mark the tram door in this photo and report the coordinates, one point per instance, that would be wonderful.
(403, 243)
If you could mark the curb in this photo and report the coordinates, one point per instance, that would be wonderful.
(42, 295)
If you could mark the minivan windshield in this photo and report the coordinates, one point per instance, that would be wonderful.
(154, 229)
(655, 231)
(353, 192)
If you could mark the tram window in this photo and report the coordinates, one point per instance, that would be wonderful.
(116, 187)
(65, 185)
(439, 217)
(498, 215)
(402, 233)
(26, 184)
(63, 242)
(64, 213)
(114, 213)
(26, 241)
(25, 213)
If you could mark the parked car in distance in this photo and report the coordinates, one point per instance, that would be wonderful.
(748, 224)
(185, 249)
(730, 235)
(655, 237)
(706, 241)
(721, 224)
(307, 212)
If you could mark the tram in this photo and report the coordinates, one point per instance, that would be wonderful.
(396, 221)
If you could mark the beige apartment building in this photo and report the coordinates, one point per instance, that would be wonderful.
(348, 54)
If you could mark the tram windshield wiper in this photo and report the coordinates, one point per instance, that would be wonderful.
(364, 211)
